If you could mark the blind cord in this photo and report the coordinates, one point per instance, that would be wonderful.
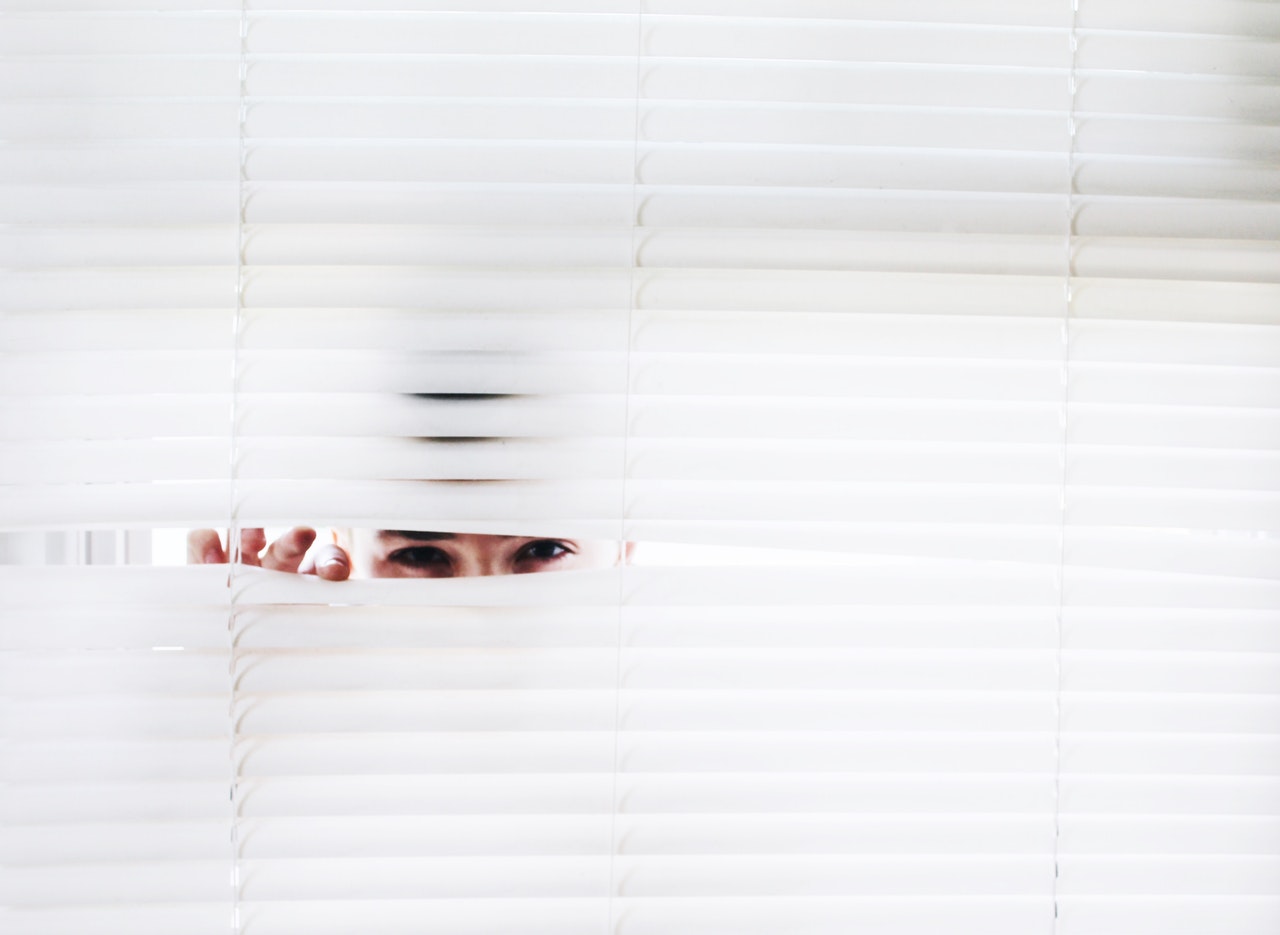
(626, 460)
(1064, 411)
(233, 530)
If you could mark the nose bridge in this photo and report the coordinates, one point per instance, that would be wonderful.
(475, 560)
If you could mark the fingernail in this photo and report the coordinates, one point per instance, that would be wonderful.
(212, 557)
(333, 563)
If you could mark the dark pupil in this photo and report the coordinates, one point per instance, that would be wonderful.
(544, 549)
(423, 555)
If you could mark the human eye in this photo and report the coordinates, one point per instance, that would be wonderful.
(536, 555)
(421, 557)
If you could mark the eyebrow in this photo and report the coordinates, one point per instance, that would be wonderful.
(419, 536)
(414, 535)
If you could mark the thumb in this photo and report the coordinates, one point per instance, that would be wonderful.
(330, 562)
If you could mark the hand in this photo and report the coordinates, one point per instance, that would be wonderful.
(288, 553)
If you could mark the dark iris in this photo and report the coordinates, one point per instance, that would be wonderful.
(419, 556)
(544, 550)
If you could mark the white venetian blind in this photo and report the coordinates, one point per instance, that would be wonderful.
(979, 299)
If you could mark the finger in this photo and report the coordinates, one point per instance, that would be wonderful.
(252, 541)
(286, 552)
(330, 562)
(205, 548)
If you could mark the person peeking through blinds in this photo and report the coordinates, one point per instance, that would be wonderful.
(396, 553)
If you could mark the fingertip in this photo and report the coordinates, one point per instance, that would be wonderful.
(328, 562)
(334, 568)
(253, 539)
(297, 540)
(204, 548)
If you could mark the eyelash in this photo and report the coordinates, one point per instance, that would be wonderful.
(526, 551)
(418, 556)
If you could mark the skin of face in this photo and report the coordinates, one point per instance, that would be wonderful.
(390, 553)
